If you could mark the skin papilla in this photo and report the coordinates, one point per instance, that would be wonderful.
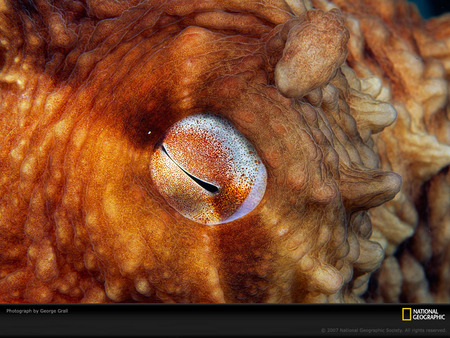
(341, 107)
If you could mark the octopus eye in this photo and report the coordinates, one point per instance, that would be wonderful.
(207, 170)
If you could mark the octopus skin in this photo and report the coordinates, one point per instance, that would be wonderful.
(327, 134)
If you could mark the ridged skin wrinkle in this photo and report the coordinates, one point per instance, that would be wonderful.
(89, 89)
(410, 55)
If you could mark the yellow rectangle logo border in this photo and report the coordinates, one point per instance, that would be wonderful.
(408, 319)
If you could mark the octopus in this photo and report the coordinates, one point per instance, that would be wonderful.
(276, 151)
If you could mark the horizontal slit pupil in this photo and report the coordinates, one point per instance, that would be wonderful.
(205, 185)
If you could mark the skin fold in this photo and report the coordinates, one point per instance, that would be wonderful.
(90, 88)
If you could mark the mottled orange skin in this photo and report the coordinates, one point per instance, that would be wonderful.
(80, 218)
(411, 58)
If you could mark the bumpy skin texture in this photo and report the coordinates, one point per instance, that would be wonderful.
(82, 84)
(391, 41)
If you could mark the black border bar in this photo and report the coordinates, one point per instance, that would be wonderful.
(266, 320)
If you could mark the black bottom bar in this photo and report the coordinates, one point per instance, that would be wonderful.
(224, 320)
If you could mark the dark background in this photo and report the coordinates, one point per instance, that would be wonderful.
(430, 8)
(202, 320)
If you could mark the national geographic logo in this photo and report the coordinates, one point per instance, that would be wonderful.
(410, 314)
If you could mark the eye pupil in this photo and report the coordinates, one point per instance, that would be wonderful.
(205, 185)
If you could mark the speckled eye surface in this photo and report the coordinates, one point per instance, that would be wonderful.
(207, 170)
